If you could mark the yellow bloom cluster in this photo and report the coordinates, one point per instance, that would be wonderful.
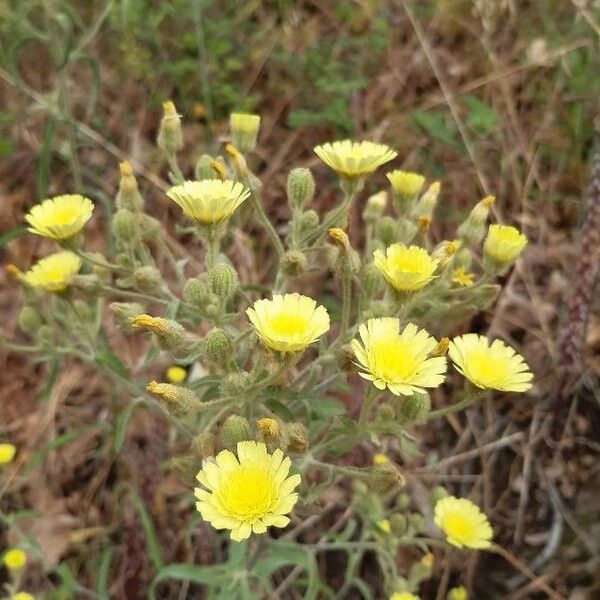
(463, 523)
(288, 323)
(248, 492)
(354, 159)
(405, 269)
(61, 217)
(55, 272)
(208, 201)
(398, 360)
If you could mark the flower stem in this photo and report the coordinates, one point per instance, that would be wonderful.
(262, 218)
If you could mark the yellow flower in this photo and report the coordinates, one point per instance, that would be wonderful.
(503, 244)
(22, 596)
(380, 459)
(461, 278)
(354, 159)
(405, 269)
(403, 596)
(398, 361)
(496, 366)
(405, 184)
(384, 525)
(210, 200)
(7, 453)
(463, 523)
(288, 323)
(61, 217)
(247, 493)
(176, 374)
(244, 122)
(14, 559)
(458, 593)
(54, 273)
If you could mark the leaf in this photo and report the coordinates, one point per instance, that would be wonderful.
(436, 125)
(113, 362)
(280, 409)
(482, 118)
(329, 408)
(10, 235)
(122, 422)
(42, 177)
(149, 532)
(210, 576)
(102, 578)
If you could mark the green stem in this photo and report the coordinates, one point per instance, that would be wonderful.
(454, 408)
(370, 397)
(332, 218)
(346, 305)
(262, 218)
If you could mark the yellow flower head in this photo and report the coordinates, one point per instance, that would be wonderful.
(7, 453)
(463, 523)
(462, 278)
(14, 559)
(496, 366)
(403, 596)
(247, 493)
(22, 596)
(244, 122)
(288, 323)
(405, 184)
(176, 374)
(405, 269)
(61, 217)
(384, 525)
(380, 459)
(268, 427)
(503, 244)
(54, 273)
(398, 360)
(210, 200)
(458, 593)
(354, 159)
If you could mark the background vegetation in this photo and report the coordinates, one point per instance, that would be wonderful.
(490, 96)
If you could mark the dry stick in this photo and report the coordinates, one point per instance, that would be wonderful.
(536, 581)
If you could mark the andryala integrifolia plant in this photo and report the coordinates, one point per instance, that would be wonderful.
(263, 427)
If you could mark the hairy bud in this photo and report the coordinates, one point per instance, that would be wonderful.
(223, 280)
(309, 220)
(218, 346)
(472, 230)
(29, 320)
(147, 279)
(128, 196)
(234, 385)
(297, 437)
(170, 136)
(124, 312)
(244, 130)
(204, 445)
(235, 429)
(170, 335)
(300, 188)
(176, 399)
(294, 263)
(123, 225)
(375, 207)
(203, 169)
(415, 408)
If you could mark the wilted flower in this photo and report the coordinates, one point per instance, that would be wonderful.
(398, 360)
(288, 323)
(354, 159)
(55, 272)
(61, 217)
(496, 366)
(463, 523)
(405, 269)
(503, 244)
(247, 493)
(210, 200)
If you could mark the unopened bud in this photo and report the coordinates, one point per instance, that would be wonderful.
(177, 400)
(294, 263)
(309, 220)
(270, 432)
(297, 437)
(128, 196)
(423, 568)
(345, 358)
(149, 226)
(204, 445)
(219, 169)
(385, 413)
(235, 429)
(29, 320)
(426, 204)
(437, 493)
(441, 349)
(223, 280)
(472, 230)
(415, 523)
(340, 238)
(218, 346)
(416, 407)
(234, 385)
(45, 336)
(147, 279)
(86, 283)
(300, 188)
(399, 524)
(169, 334)
(444, 252)
(125, 311)
(384, 479)
(203, 170)
(195, 291)
(244, 130)
(170, 136)
(370, 280)
(387, 230)
(375, 207)
(123, 225)
(406, 185)
(238, 160)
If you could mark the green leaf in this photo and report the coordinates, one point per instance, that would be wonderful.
(102, 578)
(12, 234)
(437, 125)
(329, 408)
(280, 409)
(210, 576)
(482, 118)
(122, 422)
(149, 533)
(113, 362)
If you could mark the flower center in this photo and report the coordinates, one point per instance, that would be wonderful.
(458, 528)
(288, 324)
(410, 262)
(487, 367)
(63, 216)
(248, 492)
(393, 360)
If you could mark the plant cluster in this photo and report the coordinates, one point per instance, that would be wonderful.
(266, 433)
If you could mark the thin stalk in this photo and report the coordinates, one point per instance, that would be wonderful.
(262, 218)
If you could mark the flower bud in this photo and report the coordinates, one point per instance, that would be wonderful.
(204, 445)
(271, 432)
(423, 568)
(234, 385)
(309, 220)
(218, 346)
(235, 429)
(502, 246)
(176, 399)
(344, 357)
(387, 230)
(444, 252)
(385, 479)
(294, 263)
(104, 274)
(437, 493)
(123, 225)
(375, 207)
(124, 312)
(169, 334)
(415, 523)
(223, 280)
(238, 160)
(203, 169)
(384, 526)
(406, 185)
(170, 136)
(29, 320)
(195, 291)
(297, 437)
(370, 280)
(45, 336)
(300, 188)
(426, 204)
(244, 130)
(87, 283)
(148, 279)
(149, 226)
(385, 413)
(128, 196)
(398, 524)
(473, 228)
(416, 407)
(219, 169)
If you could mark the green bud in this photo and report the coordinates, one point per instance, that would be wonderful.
(104, 274)
(426, 204)
(124, 312)
(83, 309)
(345, 358)
(45, 335)
(415, 408)
(387, 230)
(371, 280)
(170, 335)
(218, 346)
(176, 399)
(87, 283)
(149, 226)
(170, 136)
(147, 279)
(300, 188)
(244, 130)
(123, 225)
(402, 502)
(375, 207)
(203, 169)
(463, 258)
(385, 478)
(204, 444)
(234, 385)
(458, 593)
(398, 524)
(29, 320)
(235, 429)
(297, 437)
(223, 280)
(416, 523)
(385, 413)
(128, 196)
(195, 291)
(437, 493)
(472, 230)
(309, 220)
(294, 263)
